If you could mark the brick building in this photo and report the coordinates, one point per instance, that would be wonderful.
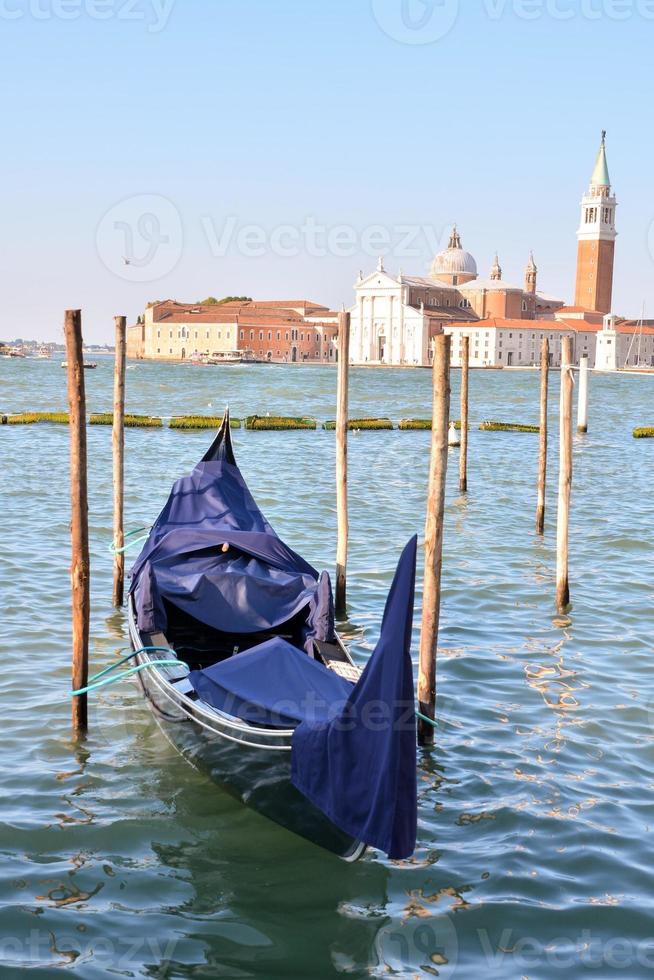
(273, 330)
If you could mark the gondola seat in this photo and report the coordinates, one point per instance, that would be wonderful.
(272, 684)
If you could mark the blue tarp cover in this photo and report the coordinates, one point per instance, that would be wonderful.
(272, 684)
(256, 585)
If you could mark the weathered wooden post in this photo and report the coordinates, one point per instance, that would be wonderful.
(582, 397)
(463, 457)
(565, 477)
(79, 522)
(341, 461)
(118, 451)
(542, 455)
(434, 537)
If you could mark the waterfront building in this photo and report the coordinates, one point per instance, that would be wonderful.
(395, 317)
(273, 330)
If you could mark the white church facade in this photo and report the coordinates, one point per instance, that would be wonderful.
(395, 318)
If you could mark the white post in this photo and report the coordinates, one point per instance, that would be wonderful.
(582, 402)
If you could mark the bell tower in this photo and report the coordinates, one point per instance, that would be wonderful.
(531, 275)
(596, 240)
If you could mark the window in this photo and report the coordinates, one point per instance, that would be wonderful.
(279, 337)
(251, 334)
(158, 350)
(170, 350)
(207, 334)
(158, 333)
(241, 335)
(171, 335)
(261, 335)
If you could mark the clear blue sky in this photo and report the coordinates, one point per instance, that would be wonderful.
(206, 116)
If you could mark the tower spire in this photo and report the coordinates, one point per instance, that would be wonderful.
(496, 269)
(600, 177)
(531, 274)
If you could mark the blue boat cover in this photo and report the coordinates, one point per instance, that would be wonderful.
(273, 684)
(359, 768)
(354, 746)
(213, 554)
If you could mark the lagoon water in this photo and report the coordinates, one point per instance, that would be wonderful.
(537, 803)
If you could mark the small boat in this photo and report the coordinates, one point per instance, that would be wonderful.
(88, 365)
(43, 353)
(254, 684)
(225, 357)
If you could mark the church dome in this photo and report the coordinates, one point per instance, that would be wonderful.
(454, 264)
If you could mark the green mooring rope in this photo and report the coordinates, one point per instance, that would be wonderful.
(95, 682)
(130, 544)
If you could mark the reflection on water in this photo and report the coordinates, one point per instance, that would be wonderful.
(118, 858)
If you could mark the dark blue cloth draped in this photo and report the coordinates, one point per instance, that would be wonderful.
(359, 767)
(272, 684)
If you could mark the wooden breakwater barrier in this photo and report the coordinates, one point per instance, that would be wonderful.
(278, 423)
(357, 425)
(34, 418)
(129, 421)
(189, 423)
(262, 423)
(508, 427)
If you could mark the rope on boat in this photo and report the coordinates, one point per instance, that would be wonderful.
(130, 544)
(95, 682)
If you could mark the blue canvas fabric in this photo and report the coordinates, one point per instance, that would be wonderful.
(272, 684)
(359, 767)
(257, 584)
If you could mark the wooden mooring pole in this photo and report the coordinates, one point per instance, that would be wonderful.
(542, 455)
(463, 456)
(565, 477)
(582, 397)
(79, 522)
(434, 538)
(341, 461)
(118, 450)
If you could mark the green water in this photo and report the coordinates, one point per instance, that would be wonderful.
(536, 806)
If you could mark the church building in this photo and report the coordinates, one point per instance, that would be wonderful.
(395, 317)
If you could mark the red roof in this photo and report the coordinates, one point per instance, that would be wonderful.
(266, 312)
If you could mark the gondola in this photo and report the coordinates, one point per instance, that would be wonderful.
(255, 686)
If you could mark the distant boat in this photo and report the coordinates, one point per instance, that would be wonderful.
(234, 357)
(43, 353)
(88, 365)
(226, 357)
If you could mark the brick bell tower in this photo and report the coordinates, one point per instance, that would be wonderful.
(596, 237)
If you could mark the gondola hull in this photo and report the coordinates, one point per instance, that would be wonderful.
(250, 763)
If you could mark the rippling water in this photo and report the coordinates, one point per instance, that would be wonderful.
(533, 857)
